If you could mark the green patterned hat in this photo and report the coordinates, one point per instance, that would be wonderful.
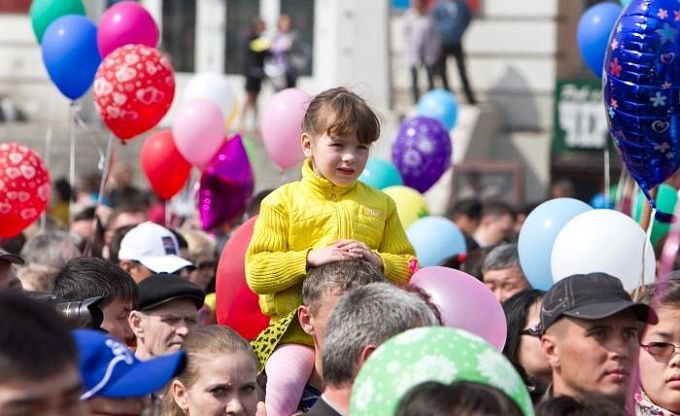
(432, 354)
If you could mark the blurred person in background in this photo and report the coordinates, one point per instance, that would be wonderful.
(255, 51)
(502, 273)
(50, 248)
(8, 278)
(37, 278)
(497, 224)
(422, 45)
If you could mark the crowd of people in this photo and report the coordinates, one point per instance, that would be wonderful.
(136, 332)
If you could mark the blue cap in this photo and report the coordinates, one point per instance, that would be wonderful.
(109, 369)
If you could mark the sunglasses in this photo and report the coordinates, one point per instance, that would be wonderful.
(534, 331)
(661, 349)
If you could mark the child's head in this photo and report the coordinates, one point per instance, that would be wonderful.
(337, 131)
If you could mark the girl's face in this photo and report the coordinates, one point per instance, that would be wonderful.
(660, 373)
(339, 159)
(529, 354)
(226, 384)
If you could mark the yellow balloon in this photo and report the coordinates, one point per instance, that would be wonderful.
(211, 301)
(410, 204)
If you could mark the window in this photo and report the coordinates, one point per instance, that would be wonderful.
(302, 19)
(240, 14)
(179, 33)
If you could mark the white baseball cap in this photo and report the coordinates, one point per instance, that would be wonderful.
(154, 246)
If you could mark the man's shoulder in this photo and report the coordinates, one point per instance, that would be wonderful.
(322, 408)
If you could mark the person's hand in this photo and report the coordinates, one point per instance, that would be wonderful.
(357, 247)
(261, 410)
(320, 256)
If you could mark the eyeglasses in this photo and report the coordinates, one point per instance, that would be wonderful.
(661, 349)
(534, 331)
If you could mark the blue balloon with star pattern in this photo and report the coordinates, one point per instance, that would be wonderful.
(641, 86)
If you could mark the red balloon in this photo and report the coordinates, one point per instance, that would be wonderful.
(24, 188)
(133, 89)
(163, 165)
(237, 306)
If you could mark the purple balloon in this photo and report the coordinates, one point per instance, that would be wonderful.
(422, 152)
(226, 185)
(464, 302)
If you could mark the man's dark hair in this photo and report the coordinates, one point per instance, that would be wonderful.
(516, 309)
(568, 406)
(470, 208)
(475, 260)
(497, 208)
(114, 245)
(35, 342)
(87, 277)
(337, 278)
(433, 398)
(253, 207)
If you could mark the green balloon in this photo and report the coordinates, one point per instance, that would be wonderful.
(432, 354)
(666, 198)
(44, 12)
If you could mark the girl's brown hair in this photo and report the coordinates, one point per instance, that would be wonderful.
(200, 345)
(338, 112)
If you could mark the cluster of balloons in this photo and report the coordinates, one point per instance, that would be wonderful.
(564, 236)
(422, 150)
(25, 188)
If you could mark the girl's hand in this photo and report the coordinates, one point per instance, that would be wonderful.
(357, 247)
(320, 256)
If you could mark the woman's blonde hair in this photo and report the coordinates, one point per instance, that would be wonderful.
(201, 343)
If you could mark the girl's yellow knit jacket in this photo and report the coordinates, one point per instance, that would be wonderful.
(314, 213)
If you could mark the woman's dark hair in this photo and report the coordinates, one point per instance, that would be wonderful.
(516, 309)
(666, 293)
(339, 111)
(567, 406)
(433, 398)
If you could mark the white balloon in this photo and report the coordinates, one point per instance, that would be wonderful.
(603, 240)
(213, 87)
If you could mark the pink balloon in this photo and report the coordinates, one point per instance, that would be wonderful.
(198, 130)
(125, 23)
(464, 302)
(281, 126)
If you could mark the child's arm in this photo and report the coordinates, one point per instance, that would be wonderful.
(270, 266)
(396, 252)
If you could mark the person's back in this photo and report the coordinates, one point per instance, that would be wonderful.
(452, 18)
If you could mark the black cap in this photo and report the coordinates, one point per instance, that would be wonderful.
(589, 297)
(160, 288)
(11, 258)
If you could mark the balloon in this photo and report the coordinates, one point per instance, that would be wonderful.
(600, 201)
(133, 89)
(538, 234)
(226, 185)
(410, 204)
(380, 174)
(624, 3)
(592, 34)
(431, 354)
(213, 87)
(603, 240)
(281, 126)
(421, 152)
(24, 188)
(198, 129)
(440, 105)
(70, 54)
(237, 306)
(163, 165)
(666, 198)
(640, 86)
(464, 302)
(435, 238)
(126, 23)
(44, 12)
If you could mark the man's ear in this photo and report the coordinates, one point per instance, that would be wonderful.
(551, 350)
(306, 142)
(135, 321)
(365, 353)
(306, 319)
(179, 394)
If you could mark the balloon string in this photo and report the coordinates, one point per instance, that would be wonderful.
(648, 233)
(166, 209)
(100, 195)
(48, 152)
(73, 108)
(607, 177)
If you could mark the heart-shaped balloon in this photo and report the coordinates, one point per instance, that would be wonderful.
(641, 83)
(226, 185)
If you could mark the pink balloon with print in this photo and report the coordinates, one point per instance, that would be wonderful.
(198, 130)
(24, 188)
